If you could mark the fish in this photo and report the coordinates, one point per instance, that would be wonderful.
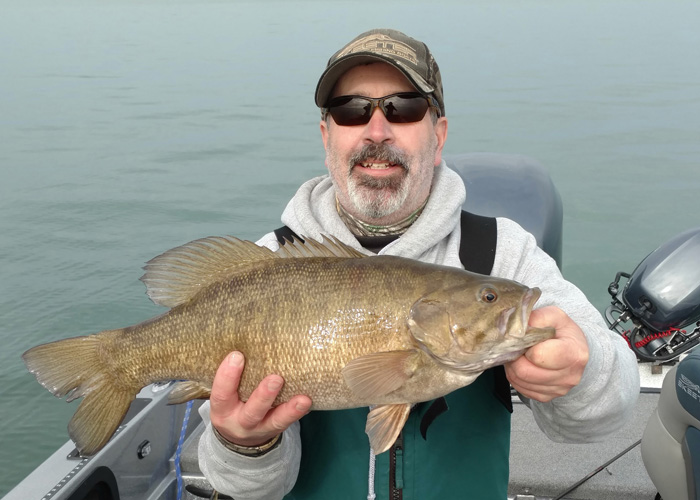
(345, 329)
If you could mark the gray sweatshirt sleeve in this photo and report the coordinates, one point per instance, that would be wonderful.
(268, 477)
(604, 399)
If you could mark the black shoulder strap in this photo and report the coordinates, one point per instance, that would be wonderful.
(477, 248)
(285, 234)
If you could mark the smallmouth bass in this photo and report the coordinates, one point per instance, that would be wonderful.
(346, 330)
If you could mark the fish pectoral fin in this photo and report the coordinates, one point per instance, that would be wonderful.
(378, 374)
(183, 392)
(384, 423)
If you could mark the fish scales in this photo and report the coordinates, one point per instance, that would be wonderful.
(281, 328)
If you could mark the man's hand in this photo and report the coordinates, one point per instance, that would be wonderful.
(551, 368)
(253, 422)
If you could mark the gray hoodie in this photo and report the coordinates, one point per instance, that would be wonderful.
(597, 407)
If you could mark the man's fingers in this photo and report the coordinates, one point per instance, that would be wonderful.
(539, 383)
(567, 349)
(548, 316)
(552, 354)
(255, 421)
(287, 413)
(260, 401)
(543, 382)
(551, 368)
(548, 367)
(224, 389)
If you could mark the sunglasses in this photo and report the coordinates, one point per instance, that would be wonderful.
(402, 107)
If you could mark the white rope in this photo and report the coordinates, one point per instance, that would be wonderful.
(372, 461)
(372, 464)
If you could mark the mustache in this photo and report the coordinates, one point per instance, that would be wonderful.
(381, 152)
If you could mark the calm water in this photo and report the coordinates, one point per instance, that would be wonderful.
(130, 127)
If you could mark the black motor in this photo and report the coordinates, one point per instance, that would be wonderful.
(661, 300)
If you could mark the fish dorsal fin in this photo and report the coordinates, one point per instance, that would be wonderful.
(176, 276)
(330, 247)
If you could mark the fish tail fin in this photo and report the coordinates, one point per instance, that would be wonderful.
(73, 368)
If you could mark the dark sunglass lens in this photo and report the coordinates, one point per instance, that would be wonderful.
(353, 111)
(404, 107)
(409, 109)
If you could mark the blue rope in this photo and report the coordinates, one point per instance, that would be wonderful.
(178, 453)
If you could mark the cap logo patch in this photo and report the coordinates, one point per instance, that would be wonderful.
(379, 43)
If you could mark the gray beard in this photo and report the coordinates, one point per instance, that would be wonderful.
(377, 198)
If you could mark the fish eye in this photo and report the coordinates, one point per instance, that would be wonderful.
(489, 295)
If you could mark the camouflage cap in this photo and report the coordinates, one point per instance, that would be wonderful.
(408, 55)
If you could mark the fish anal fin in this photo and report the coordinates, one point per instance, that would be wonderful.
(378, 374)
(384, 423)
(183, 392)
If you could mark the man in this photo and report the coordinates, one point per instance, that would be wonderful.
(383, 128)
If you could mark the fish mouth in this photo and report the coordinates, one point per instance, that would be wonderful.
(534, 334)
(526, 305)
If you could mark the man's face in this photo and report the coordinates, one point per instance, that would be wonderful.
(382, 171)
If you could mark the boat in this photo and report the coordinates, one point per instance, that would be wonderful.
(153, 455)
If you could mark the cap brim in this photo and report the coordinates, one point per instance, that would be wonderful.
(330, 76)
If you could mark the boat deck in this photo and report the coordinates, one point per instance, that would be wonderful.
(542, 470)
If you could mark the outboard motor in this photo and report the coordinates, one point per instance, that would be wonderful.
(658, 309)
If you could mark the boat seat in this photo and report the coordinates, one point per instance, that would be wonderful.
(514, 186)
(671, 440)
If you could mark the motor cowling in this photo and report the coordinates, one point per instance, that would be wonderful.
(663, 292)
(661, 300)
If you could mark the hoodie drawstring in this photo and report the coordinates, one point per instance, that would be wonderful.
(372, 461)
